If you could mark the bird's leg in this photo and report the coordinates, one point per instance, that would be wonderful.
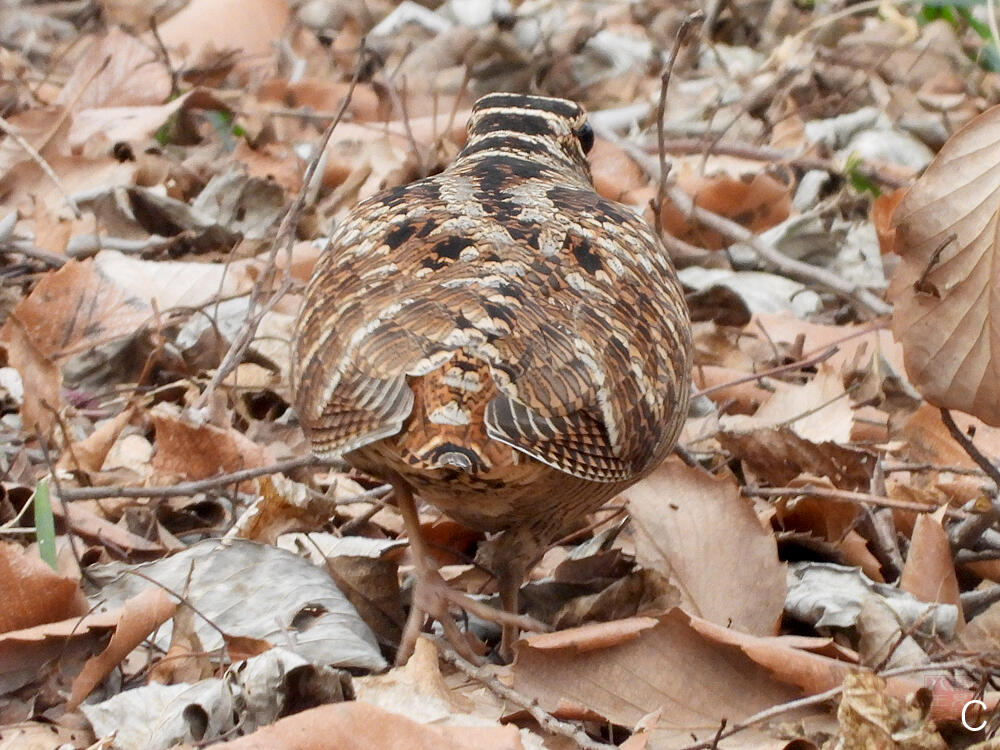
(432, 595)
(429, 590)
(508, 556)
(510, 587)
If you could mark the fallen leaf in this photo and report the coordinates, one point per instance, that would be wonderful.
(43, 398)
(185, 448)
(818, 411)
(698, 532)
(246, 27)
(945, 306)
(360, 726)
(778, 456)
(929, 573)
(33, 593)
(89, 454)
(871, 718)
(139, 617)
(625, 670)
(883, 208)
(116, 71)
(256, 591)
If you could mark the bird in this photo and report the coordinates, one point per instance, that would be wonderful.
(499, 341)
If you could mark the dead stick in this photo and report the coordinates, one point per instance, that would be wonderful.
(543, 717)
(847, 496)
(286, 231)
(189, 488)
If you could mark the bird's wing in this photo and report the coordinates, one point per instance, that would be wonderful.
(582, 343)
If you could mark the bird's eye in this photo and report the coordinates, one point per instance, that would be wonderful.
(586, 135)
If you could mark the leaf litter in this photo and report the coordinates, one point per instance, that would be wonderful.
(819, 569)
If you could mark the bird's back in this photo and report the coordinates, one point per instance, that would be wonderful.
(498, 331)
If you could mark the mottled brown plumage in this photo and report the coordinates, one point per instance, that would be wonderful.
(507, 343)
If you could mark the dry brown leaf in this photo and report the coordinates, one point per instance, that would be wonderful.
(815, 673)
(116, 71)
(700, 534)
(778, 456)
(196, 451)
(831, 521)
(41, 377)
(88, 524)
(614, 172)
(642, 592)
(625, 670)
(812, 338)
(139, 617)
(28, 185)
(38, 127)
(882, 209)
(246, 27)
(758, 201)
(87, 303)
(283, 505)
(186, 660)
(944, 290)
(89, 454)
(982, 634)
(928, 439)
(929, 572)
(324, 95)
(106, 126)
(365, 162)
(271, 161)
(42, 735)
(781, 655)
(739, 397)
(360, 726)
(818, 411)
(32, 593)
(871, 718)
(417, 690)
(77, 308)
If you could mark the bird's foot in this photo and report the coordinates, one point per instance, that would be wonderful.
(433, 598)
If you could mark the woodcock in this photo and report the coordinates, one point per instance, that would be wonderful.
(499, 340)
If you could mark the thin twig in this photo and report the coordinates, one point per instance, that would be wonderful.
(962, 470)
(175, 88)
(847, 496)
(547, 721)
(403, 114)
(792, 366)
(769, 154)
(28, 250)
(964, 556)
(735, 232)
(808, 359)
(974, 602)
(661, 108)
(190, 488)
(36, 157)
(968, 533)
(790, 267)
(814, 700)
(970, 448)
(285, 235)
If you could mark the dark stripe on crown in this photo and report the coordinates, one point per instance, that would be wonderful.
(515, 121)
(562, 107)
(525, 145)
